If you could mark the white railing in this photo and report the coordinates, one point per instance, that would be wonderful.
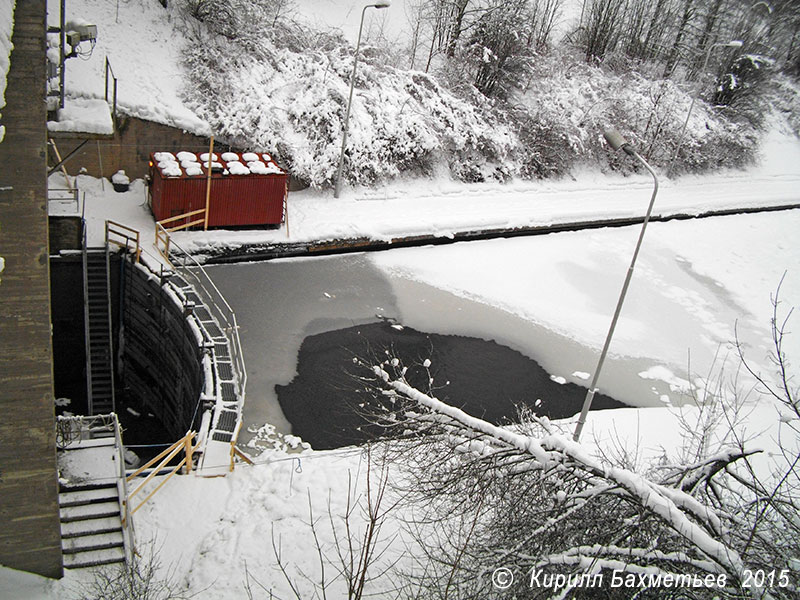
(187, 266)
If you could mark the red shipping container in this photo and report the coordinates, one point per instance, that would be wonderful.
(240, 195)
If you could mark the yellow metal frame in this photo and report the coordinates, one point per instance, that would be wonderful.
(185, 444)
(126, 233)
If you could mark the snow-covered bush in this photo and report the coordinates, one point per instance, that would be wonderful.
(784, 96)
(282, 88)
(570, 103)
(292, 101)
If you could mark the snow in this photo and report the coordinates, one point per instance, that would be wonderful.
(83, 115)
(134, 36)
(694, 279)
(443, 207)
(120, 178)
(661, 373)
(184, 155)
(6, 33)
(693, 282)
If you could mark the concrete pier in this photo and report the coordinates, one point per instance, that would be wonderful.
(29, 519)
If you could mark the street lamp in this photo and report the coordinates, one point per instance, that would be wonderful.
(338, 184)
(731, 44)
(616, 141)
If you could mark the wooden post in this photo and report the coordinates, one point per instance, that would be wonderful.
(189, 449)
(100, 162)
(286, 206)
(63, 169)
(208, 182)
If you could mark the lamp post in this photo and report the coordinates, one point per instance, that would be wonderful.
(338, 183)
(616, 141)
(731, 44)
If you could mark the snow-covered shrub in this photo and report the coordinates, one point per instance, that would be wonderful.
(293, 102)
(569, 103)
(784, 97)
(744, 86)
(282, 88)
(142, 578)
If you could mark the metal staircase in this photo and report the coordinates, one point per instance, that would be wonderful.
(97, 331)
(95, 527)
(91, 525)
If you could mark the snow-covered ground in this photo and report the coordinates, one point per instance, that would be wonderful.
(692, 280)
(443, 207)
(144, 48)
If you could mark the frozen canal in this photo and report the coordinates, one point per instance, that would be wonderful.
(549, 297)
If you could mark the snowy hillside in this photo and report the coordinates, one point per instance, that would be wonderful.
(275, 77)
(145, 47)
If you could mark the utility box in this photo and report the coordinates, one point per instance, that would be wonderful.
(246, 189)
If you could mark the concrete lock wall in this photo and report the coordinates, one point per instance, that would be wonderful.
(30, 537)
(161, 359)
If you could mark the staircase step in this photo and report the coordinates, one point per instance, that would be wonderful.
(96, 541)
(93, 496)
(94, 558)
(75, 529)
(84, 512)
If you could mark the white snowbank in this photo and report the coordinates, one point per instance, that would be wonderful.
(84, 115)
(144, 48)
(6, 33)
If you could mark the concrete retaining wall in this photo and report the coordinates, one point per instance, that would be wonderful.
(30, 537)
(130, 149)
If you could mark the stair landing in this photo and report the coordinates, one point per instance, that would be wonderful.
(89, 504)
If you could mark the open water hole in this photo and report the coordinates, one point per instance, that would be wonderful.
(310, 316)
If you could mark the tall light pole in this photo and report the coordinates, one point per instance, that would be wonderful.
(731, 44)
(616, 141)
(338, 183)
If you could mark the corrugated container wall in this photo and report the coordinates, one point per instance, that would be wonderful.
(236, 199)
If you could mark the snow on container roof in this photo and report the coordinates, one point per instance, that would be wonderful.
(239, 195)
(232, 163)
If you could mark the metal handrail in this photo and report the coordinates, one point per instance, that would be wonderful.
(185, 444)
(126, 233)
(222, 311)
(114, 82)
(84, 263)
(163, 237)
(213, 298)
(129, 535)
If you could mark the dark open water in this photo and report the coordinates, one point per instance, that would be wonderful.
(483, 378)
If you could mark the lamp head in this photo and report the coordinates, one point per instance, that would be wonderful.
(382, 4)
(616, 141)
(614, 138)
(734, 44)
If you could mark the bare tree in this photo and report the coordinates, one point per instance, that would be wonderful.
(527, 498)
(358, 548)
